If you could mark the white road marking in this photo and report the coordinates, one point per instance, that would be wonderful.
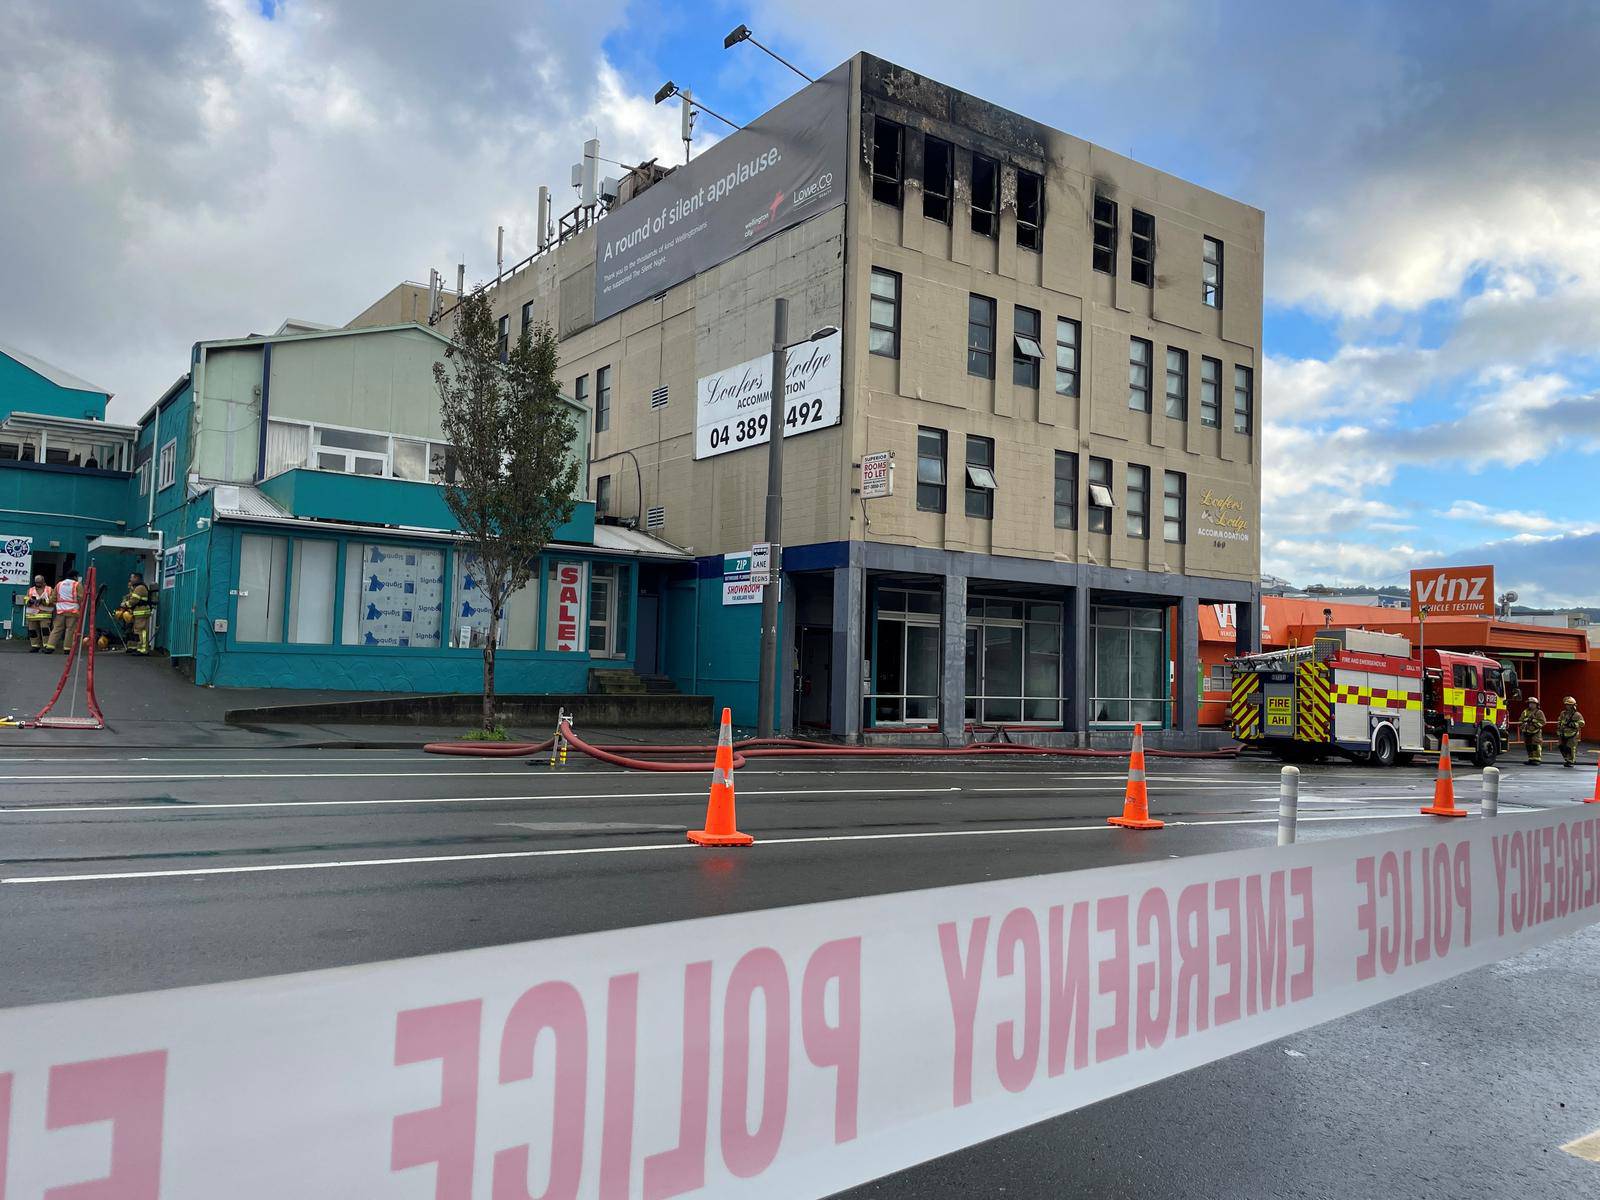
(697, 794)
(344, 864)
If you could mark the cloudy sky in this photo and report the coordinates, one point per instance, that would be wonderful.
(175, 170)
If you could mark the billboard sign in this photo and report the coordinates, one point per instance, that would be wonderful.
(785, 167)
(16, 559)
(733, 407)
(1454, 591)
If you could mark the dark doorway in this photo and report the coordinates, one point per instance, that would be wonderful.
(649, 622)
(813, 683)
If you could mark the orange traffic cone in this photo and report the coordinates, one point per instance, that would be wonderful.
(1444, 786)
(1596, 797)
(1136, 800)
(720, 829)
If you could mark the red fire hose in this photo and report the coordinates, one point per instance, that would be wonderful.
(628, 755)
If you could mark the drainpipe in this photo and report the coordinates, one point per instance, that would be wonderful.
(155, 462)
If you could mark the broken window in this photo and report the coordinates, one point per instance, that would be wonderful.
(938, 168)
(1142, 248)
(1030, 210)
(1026, 352)
(1211, 273)
(985, 196)
(888, 178)
(1105, 234)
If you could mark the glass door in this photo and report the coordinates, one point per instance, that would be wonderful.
(602, 626)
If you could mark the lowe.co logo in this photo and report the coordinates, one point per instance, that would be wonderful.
(819, 187)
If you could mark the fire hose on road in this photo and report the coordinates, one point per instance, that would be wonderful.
(647, 757)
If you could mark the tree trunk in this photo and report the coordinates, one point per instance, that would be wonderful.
(488, 676)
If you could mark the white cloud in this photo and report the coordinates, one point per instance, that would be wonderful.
(190, 170)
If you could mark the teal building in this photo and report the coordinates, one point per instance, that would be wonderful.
(286, 495)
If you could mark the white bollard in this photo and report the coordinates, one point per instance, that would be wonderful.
(1288, 804)
(1491, 791)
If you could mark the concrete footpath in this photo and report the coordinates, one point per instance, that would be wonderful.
(149, 706)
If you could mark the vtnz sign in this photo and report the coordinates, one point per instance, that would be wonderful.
(1454, 591)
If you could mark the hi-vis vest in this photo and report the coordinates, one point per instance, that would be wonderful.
(67, 595)
(41, 603)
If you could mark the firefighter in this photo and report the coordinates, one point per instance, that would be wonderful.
(1569, 726)
(1533, 731)
(37, 612)
(137, 605)
(69, 601)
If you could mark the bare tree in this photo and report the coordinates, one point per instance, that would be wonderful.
(515, 475)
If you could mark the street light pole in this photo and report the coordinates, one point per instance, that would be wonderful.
(768, 674)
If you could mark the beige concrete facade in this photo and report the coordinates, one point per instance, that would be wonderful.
(723, 317)
(824, 267)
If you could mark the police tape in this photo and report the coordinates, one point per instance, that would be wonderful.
(787, 1052)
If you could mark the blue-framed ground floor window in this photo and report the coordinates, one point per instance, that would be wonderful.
(323, 591)
(1129, 668)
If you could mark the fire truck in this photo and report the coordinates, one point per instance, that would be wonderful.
(1366, 696)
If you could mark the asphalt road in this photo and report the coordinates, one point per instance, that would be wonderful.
(137, 871)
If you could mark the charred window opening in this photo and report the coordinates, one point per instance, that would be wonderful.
(1105, 234)
(985, 196)
(1142, 248)
(938, 169)
(888, 175)
(1030, 210)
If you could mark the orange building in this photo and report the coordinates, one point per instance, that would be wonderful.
(1551, 662)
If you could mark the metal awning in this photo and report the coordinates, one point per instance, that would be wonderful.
(133, 545)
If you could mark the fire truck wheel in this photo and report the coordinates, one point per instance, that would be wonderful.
(1487, 748)
(1385, 750)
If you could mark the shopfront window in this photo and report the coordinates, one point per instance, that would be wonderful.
(1013, 661)
(905, 658)
(1130, 666)
(263, 566)
(393, 596)
(469, 611)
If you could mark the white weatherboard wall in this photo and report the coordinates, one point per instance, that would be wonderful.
(788, 1052)
(375, 381)
(229, 414)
